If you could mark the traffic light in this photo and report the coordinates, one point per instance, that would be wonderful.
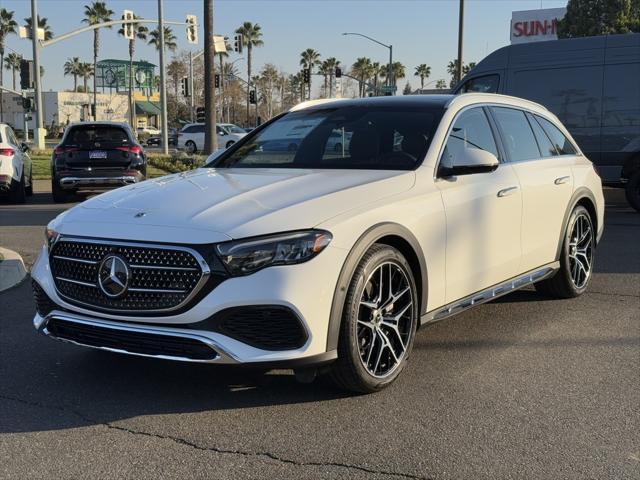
(252, 96)
(338, 72)
(237, 43)
(128, 28)
(216, 80)
(26, 74)
(200, 114)
(185, 86)
(192, 29)
(306, 75)
(27, 104)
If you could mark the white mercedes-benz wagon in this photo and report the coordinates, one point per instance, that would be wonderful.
(325, 238)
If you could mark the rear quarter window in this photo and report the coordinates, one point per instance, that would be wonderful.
(560, 141)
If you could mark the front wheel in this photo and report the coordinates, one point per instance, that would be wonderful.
(379, 322)
(632, 190)
(576, 258)
(191, 147)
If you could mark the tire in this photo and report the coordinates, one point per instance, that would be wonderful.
(191, 147)
(59, 195)
(229, 143)
(632, 190)
(573, 259)
(361, 367)
(29, 190)
(18, 191)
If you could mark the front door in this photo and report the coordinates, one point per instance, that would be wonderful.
(483, 213)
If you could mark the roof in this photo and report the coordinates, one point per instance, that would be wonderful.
(100, 122)
(115, 61)
(144, 106)
(400, 101)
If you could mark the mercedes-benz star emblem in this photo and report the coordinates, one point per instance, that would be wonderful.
(114, 276)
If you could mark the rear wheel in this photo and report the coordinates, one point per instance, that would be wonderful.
(59, 195)
(576, 258)
(632, 190)
(18, 190)
(379, 322)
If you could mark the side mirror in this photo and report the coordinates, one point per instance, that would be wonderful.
(24, 147)
(470, 161)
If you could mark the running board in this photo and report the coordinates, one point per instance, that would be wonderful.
(490, 293)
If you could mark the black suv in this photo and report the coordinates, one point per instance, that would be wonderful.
(96, 156)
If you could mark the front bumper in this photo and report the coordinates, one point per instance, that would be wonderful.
(306, 289)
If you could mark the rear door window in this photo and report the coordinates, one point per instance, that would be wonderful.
(561, 142)
(517, 136)
(546, 147)
(97, 136)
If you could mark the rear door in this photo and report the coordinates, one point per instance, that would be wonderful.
(97, 145)
(545, 178)
(483, 213)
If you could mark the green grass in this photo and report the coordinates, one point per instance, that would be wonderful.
(42, 166)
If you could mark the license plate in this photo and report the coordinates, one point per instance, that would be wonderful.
(98, 154)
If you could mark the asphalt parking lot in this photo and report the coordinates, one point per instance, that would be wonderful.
(523, 387)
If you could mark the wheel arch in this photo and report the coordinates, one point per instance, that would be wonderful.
(388, 233)
(584, 197)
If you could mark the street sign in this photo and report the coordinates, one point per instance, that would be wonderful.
(388, 88)
(219, 44)
(25, 32)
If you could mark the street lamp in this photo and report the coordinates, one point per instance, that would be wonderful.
(390, 47)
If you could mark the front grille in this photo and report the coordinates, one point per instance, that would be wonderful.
(44, 305)
(129, 341)
(161, 278)
(267, 328)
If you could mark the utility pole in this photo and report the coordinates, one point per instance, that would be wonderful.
(460, 36)
(191, 96)
(38, 132)
(210, 137)
(163, 83)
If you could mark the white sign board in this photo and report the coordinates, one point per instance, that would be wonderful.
(535, 25)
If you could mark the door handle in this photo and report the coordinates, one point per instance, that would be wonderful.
(505, 192)
(561, 180)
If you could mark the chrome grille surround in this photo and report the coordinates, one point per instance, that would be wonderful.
(164, 278)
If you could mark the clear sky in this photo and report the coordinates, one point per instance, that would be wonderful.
(421, 31)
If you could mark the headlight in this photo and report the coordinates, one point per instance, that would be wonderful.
(243, 257)
(50, 237)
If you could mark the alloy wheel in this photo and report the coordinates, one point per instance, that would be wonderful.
(385, 319)
(581, 251)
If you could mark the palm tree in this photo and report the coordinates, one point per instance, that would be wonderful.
(309, 59)
(7, 26)
(72, 67)
(139, 33)
(397, 70)
(86, 70)
(12, 63)
(176, 69)
(423, 71)
(170, 42)
(251, 37)
(441, 84)
(330, 65)
(96, 13)
(362, 70)
(42, 23)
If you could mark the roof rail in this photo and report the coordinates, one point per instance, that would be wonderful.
(487, 97)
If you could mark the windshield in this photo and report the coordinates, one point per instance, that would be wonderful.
(230, 128)
(350, 137)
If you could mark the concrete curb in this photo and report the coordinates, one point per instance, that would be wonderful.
(12, 269)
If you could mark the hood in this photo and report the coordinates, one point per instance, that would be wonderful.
(211, 205)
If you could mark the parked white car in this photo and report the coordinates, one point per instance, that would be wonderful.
(329, 260)
(149, 130)
(191, 137)
(16, 177)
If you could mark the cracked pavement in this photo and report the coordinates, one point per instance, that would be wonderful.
(523, 387)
